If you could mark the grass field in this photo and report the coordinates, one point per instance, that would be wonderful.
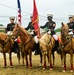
(36, 70)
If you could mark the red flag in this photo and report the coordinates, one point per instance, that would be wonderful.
(36, 20)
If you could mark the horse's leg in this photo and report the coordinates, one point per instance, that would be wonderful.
(26, 57)
(22, 53)
(4, 55)
(10, 58)
(30, 59)
(71, 61)
(50, 61)
(64, 62)
(40, 59)
(53, 57)
(18, 56)
(44, 61)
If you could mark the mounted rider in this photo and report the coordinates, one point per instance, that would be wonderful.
(71, 25)
(10, 26)
(50, 26)
(9, 31)
(31, 28)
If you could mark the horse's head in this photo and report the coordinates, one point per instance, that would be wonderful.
(64, 30)
(19, 30)
(16, 30)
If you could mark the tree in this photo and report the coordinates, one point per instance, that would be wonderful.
(58, 30)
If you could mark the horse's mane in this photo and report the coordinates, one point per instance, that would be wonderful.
(23, 30)
(46, 37)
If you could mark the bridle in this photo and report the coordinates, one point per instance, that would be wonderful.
(18, 34)
(66, 39)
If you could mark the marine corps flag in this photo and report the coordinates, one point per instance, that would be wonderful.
(36, 20)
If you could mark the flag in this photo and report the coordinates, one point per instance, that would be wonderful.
(35, 21)
(19, 12)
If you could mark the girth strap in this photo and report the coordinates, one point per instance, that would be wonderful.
(28, 41)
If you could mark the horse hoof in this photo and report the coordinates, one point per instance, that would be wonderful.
(11, 66)
(43, 68)
(64, 70)
(50, 69)
(30, 67)
(71, 70)
(62, 66)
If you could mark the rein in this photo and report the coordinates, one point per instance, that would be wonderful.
(63, 45)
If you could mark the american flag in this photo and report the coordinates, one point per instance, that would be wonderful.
(19, 12)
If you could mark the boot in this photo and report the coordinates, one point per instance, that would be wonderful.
(57, 46)
(37, 51)
(16, 47)
(57, 43)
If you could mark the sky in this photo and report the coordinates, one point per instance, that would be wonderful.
(59, 8)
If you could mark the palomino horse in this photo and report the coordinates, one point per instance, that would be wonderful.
(67, 45)
(28, 43)
(7, 45)
(46, 46)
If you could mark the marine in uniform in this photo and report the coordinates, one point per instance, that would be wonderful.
(71, 25)
(9, 31)
(33, 33)
(10, 26)
(50, 26)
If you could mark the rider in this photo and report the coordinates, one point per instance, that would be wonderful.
(50, 25)
(33, 33)
(9, 30)
(10, 26)
(71, 25)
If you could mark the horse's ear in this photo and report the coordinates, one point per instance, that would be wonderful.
(17, 25)
(62, 24)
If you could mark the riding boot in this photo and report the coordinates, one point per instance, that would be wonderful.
(16, 47)
(37, 51)
(57, 46)
(57, 43)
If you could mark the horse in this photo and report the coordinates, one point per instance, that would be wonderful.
(28, 43)
(46, 45)
(53, 50)
(66, 45)
(6, 44)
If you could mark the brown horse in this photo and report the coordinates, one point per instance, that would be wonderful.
(28, 43)
(67, 45)
(46, 46)
(7, 45)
